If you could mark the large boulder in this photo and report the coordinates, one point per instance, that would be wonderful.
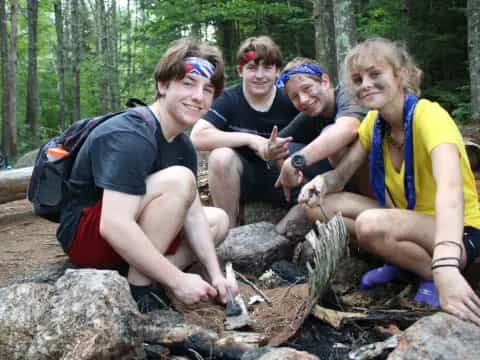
(440, 336)
(27, 159)
(253, 248)
(22, 307)
(87, 314)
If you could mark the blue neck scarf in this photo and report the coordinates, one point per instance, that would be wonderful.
(377, 166)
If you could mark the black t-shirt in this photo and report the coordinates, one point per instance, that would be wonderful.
(304, 129)
(231, 112)
(119, 155)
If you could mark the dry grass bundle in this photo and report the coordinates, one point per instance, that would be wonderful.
(268, 320)
(290, 305)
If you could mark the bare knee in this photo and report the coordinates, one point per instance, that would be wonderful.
(224, 161)
(177, 181)
(367, 228)
(219, 223)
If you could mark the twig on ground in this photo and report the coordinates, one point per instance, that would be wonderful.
(254, 287)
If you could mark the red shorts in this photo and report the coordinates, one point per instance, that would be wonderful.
(90, 249)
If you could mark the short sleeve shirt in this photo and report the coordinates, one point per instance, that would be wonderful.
(304, 129)
(119, 155)
(432, 126)
(231, 112)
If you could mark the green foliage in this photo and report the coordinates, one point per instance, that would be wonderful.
(435, 32)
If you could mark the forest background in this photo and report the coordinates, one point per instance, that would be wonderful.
(62, 60)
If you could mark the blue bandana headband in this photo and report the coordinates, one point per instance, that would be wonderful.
(311, 69)
(199, 66)
(377, 165)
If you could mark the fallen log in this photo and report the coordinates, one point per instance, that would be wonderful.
(14, 184)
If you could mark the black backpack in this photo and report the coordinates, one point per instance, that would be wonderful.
(48, 190)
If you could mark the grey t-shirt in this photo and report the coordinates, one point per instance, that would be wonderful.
(304, 129)
(119, 155)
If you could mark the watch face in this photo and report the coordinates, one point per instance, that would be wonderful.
(298, 161)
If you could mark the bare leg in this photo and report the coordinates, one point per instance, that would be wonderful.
(349, 204)
(170, 193)
(402, 237)
(218, 221)
(224, 173)
(295, 215)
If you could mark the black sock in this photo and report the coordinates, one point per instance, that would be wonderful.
(139, 292)
(148, 298)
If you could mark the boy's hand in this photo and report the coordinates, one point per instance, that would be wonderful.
(313, 193)
(277, 148)
(289, 178)
(220, 283)
(191, 288)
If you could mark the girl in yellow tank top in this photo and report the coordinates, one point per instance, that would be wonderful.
(425, 218)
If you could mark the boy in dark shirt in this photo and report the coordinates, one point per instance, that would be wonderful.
(238, 130)
(134, 195)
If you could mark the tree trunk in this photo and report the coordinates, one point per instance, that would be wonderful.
(114, 82)
(32, 113)
(228, 40)
(325, 36)
(4, 61)
(60, 62)
(103, 56)
(345, 36)
(129, 49)
(11, 119)
(75, 44)
(473, 15)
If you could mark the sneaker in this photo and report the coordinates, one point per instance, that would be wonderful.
(427, 293)
(149, 298)
(381, 275)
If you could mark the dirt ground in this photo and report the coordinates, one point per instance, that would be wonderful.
(27, 241)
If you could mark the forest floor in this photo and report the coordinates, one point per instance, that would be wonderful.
(27, 242)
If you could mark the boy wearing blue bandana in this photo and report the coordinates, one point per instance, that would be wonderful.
(134, 195)
(327, 125)
(241, 128)
(426, 219)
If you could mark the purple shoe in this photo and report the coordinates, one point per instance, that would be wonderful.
(381, 275)
(427, 293)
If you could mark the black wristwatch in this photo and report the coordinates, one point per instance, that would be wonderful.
(299, 162)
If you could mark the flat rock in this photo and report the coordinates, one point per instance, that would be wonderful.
(440, 336)
(253, 248)
(283, 353)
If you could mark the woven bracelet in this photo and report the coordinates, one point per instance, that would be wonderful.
(448, 242)
(434, 261)
(444, 265)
